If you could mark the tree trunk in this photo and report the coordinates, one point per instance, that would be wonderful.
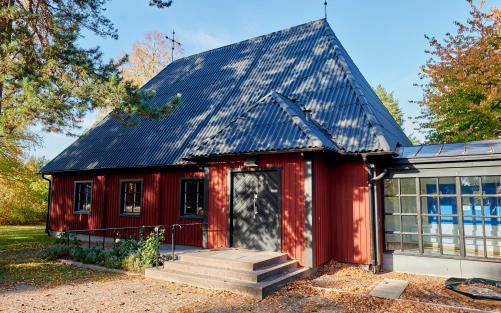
(5, 31)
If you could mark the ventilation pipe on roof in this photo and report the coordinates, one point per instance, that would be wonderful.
(373, 214)
(47, 221)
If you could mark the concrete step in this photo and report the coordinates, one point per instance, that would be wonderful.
(216, 271)
(240, 263)
(254, 289)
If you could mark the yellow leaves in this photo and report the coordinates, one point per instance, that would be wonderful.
(147, 58)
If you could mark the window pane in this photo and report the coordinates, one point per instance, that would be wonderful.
(447, 185)
(428, 186)
(448, 205)
(472, 206)
(392, 223)
(410, 243)
(491, 185)
(392, 242)
(450, 245)
(390, 187)
(449, 225)
(409, 224)
(131, 197)
(429, 225)
(407, 186)
(493, 248)
(408, 204)
(470, 185)
(431, 245)
(474, 247)
(492, 227)
(473, 226)
(191, 197)
(429, 205)
(391, 205)
(492, 206)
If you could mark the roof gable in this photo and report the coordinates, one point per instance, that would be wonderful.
(305, 62)
(275, 123)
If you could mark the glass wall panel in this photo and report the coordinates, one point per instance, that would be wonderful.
(473, 226)
(431, 244)
(390, 187)
(474, 247)
(428, 186)
(392, 223)
(391, 205)
(392, 242)
(447, 185)
(448, 206)
(448, 228)
(472, 206)
(470, 185)
(492, 206)
(410, 243)
(429, 205)
(409, 224)
(493, 247)
(409, 204)
(491, 185)
(429, 225)
(450, 245)
(492, 226)
(407, 186)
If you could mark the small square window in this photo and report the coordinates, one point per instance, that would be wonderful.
(470, 185)
(391, 205)
(192, 197)
(428, 186)
(392, 242)
(390, 187)
(83, 197)
(447, 185)
(131, 197)
(407, 186)
(491, 185)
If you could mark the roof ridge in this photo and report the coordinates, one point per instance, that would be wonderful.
(355, 84)
(306, 129)
(246, 40)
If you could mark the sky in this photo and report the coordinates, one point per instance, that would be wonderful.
(385, 38)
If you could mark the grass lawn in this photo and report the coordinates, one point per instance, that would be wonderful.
(21, 248)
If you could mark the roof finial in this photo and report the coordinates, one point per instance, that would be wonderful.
(174, 43)
(325, 8)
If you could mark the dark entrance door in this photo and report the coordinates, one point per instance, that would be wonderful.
(256, 210)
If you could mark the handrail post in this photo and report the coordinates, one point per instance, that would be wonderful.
(104, 237)
(173, 239)
(89, 239)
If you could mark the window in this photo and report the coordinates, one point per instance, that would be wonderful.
(83, 197)
(131, 197)
(455, 216)
(192, 197)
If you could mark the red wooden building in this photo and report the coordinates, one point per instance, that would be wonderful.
(276, 145)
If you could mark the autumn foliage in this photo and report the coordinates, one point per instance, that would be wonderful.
(462, 80)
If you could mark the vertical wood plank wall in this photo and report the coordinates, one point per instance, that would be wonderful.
(161, 203)
(340, 205)
(350, 213)
(293, 200)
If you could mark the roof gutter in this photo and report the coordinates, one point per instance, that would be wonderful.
(47, 221)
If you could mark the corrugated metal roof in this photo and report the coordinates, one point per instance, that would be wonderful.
(460, 149)
(275, 123)
(305, 62)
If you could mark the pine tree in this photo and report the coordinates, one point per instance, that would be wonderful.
(390, 103)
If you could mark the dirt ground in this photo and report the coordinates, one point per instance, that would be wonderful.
(335, 288)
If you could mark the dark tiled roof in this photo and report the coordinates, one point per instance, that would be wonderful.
(275, 123)
(305, 62)
(484, 148)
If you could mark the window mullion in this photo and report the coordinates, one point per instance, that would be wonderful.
(439, 219)
(418, 207)
(459, 201)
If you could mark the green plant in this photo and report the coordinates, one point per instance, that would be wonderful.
(150, 247)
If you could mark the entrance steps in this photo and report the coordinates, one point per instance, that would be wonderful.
(252, 273)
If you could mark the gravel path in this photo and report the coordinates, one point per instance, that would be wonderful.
(337, 288)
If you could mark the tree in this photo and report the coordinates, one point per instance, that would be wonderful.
(147, 58)
(390, 103)
(462, 79)
(47, 79)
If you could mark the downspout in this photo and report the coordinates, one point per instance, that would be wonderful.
(373, 214)
(49, 197)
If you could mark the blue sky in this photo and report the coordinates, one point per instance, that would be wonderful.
(385, 38)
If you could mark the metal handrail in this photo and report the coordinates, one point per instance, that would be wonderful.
(173, 227)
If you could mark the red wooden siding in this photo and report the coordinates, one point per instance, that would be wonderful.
(350, 213)
(322, 225)
(293, 202)
(161, 203)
